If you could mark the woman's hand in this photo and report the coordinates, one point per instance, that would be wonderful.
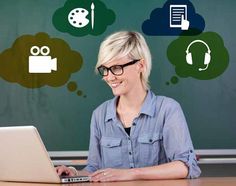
(106, 175)
(61, 170)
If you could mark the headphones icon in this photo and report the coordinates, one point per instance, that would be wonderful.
(207, 58)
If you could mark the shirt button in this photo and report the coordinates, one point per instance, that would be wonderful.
(131, 167)
(150, 140)
(134, 124)
(130, 153)
(191, 151)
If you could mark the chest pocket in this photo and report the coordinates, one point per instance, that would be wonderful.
(149, 147)
(111, 152)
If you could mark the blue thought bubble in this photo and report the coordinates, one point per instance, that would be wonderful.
(176, 17)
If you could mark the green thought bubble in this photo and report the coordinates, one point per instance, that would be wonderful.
(202, 57)
(83, 17)
(14, 62)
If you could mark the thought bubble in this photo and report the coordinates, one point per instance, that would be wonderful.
(202, 57)
(168, 21)
(80, 17)
(15, 68)
(173, 80)
(72, 87)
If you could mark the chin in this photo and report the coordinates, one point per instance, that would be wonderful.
(117, 92)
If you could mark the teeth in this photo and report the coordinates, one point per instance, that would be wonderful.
(114, 85)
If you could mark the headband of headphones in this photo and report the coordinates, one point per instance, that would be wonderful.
(198, 41)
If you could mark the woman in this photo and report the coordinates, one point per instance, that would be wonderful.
(136, 135)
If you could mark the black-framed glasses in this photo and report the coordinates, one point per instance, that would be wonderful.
(115, 69)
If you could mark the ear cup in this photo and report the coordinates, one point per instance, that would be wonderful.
(189, 58)
(207, 58)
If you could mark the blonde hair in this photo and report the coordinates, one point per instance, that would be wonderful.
(125, 43)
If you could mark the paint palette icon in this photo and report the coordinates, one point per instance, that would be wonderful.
(77, 17)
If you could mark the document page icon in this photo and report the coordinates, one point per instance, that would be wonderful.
(178, 17)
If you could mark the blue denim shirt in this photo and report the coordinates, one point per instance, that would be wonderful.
(158, 135)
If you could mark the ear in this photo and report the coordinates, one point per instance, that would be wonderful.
(141, 65)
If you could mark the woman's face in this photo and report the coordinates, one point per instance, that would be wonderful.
(128, 81)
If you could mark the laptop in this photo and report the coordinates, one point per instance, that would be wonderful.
(24, 158)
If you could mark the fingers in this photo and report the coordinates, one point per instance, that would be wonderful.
(64, 170)
(97, 172)
(102, 176)
(60, 170)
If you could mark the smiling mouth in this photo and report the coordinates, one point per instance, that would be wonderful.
(115, 85)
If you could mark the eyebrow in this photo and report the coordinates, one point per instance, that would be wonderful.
(110, 66)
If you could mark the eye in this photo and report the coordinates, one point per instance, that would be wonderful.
(116, 68)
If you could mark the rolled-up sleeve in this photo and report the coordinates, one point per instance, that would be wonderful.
(94, 157)
(177, 141)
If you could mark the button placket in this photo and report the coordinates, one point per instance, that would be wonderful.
(131, 163)
(132, 128)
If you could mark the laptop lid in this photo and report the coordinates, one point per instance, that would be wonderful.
(24, 158)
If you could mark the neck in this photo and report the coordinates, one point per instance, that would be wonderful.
(132, 100)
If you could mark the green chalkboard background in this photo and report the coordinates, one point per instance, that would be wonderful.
(63, 118)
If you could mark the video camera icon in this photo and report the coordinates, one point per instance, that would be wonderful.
(41, 64)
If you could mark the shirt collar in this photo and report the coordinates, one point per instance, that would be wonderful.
(148, 107)
(111, 109)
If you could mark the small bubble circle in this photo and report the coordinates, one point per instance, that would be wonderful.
(174, 80)
(79, 93)
(72, 86)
